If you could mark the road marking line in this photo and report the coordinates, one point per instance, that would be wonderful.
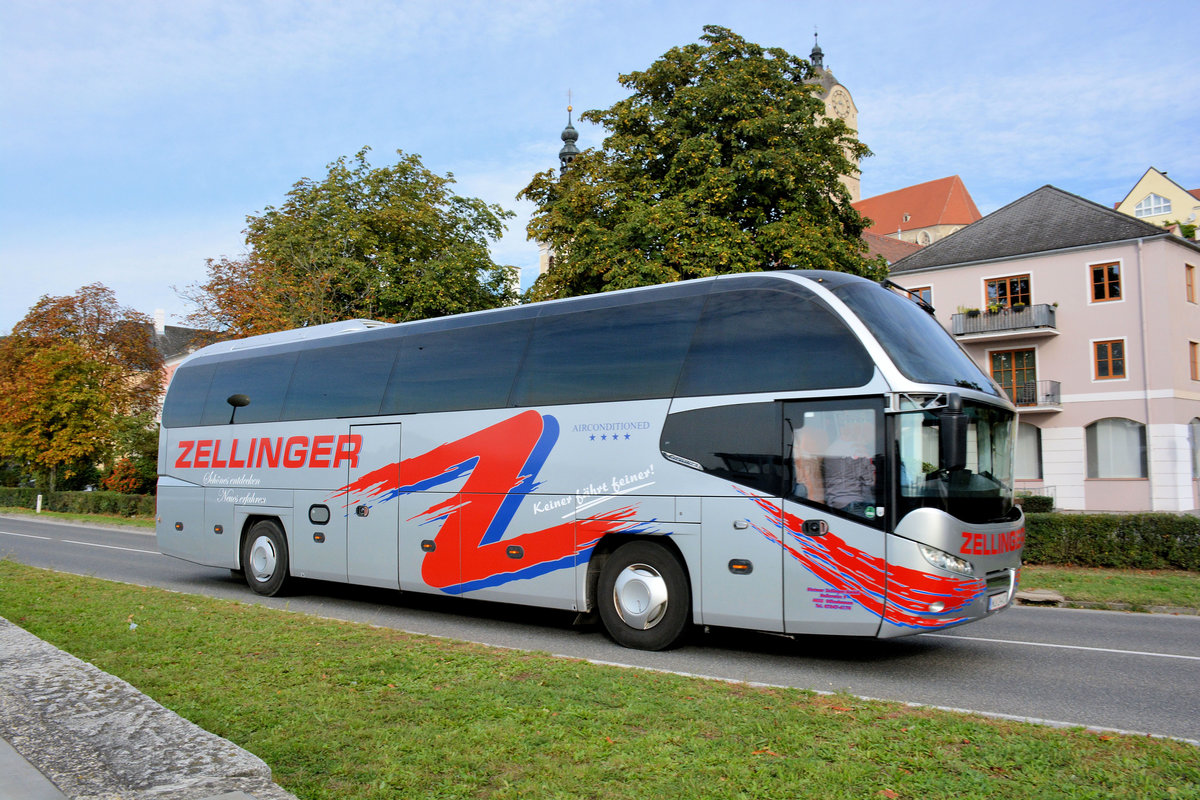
(112, 547)
(1064, 646)
(911, 704)
(26, 535)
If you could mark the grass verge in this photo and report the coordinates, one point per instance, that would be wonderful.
(1138, 589)
(92, 519)
(346, 710)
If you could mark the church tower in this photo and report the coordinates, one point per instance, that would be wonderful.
(565, 156)
(569, 136)
(838, 103)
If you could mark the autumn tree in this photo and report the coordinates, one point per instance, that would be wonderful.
(71, 372)
(388, 243)
(719, 161)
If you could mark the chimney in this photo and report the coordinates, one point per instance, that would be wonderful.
(160, 321)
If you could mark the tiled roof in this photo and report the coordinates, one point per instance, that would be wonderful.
(177, 341)
(1044, 220)
(891, 249)
(945, 201)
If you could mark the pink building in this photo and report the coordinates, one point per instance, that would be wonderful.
(1090, 320)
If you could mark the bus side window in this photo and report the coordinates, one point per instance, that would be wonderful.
(630, 352)
(184, 405)
(837, 455)
(264, 380)
(739, 443)
(344, 380)
(457, 369)
(767, 340)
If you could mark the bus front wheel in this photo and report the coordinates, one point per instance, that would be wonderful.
(643, 596)
(265, 558)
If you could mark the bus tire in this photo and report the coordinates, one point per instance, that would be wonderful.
(643, 596)
(265, 558)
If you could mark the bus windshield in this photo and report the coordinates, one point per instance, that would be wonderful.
(913, 339)
(983, 490)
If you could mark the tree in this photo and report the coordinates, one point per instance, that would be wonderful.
(135, 470)
(73, 369)
(720, 161)
(388, 243)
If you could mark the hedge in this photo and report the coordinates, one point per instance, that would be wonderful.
(1127, 541)
(1035, 503)
(114, 503)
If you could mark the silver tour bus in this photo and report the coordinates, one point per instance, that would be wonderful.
(797, 451)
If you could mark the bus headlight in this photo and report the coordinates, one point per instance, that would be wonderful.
(943, 560)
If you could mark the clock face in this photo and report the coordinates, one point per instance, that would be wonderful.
(841, 103)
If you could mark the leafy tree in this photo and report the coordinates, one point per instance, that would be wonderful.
(388, 243)
(720, 161)
(71, 371)
(136, 469)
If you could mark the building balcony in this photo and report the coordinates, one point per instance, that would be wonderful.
(1007, 323)
(1036, 397)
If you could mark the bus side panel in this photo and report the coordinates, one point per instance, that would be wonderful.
(530, 560)
(318, 550)
(372, 524)
(180, 528)
(421, 538)
(835, 582)
(742, 584)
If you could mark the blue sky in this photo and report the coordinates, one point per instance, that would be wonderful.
(136, 136)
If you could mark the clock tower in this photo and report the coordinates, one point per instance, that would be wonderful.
(838, 103)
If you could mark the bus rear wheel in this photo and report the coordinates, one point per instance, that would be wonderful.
(265, 558)
(643, 597)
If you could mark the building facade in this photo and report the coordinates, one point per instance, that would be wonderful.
(1090, 321)
(1157, 199)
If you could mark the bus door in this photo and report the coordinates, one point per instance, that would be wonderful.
(373, 520)
(834, 572)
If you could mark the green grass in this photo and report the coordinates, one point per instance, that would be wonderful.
(1139, 589)
(93, 519)
(342, 710)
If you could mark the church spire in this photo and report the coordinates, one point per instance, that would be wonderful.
(569, 150)
(817, 57)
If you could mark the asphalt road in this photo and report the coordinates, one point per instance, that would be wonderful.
(1129, 672)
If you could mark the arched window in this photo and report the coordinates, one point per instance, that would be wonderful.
(1194, 441)
(1029, 452)
(1116, 448)
(1152, 205)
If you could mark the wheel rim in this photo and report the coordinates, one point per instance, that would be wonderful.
(263, 559)
(640, 596)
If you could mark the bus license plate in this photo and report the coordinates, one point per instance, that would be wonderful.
(997, 601)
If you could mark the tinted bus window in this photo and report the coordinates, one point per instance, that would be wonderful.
(264, 380)
(184, 405)
(764, 340)
(742, 443)
(346, 380)
(627, 352)
(457, 369)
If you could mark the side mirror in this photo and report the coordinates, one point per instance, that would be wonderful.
(953, 432)
(237, 401)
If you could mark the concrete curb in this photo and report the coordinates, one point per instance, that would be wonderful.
(1178, 611)
(95, 737)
